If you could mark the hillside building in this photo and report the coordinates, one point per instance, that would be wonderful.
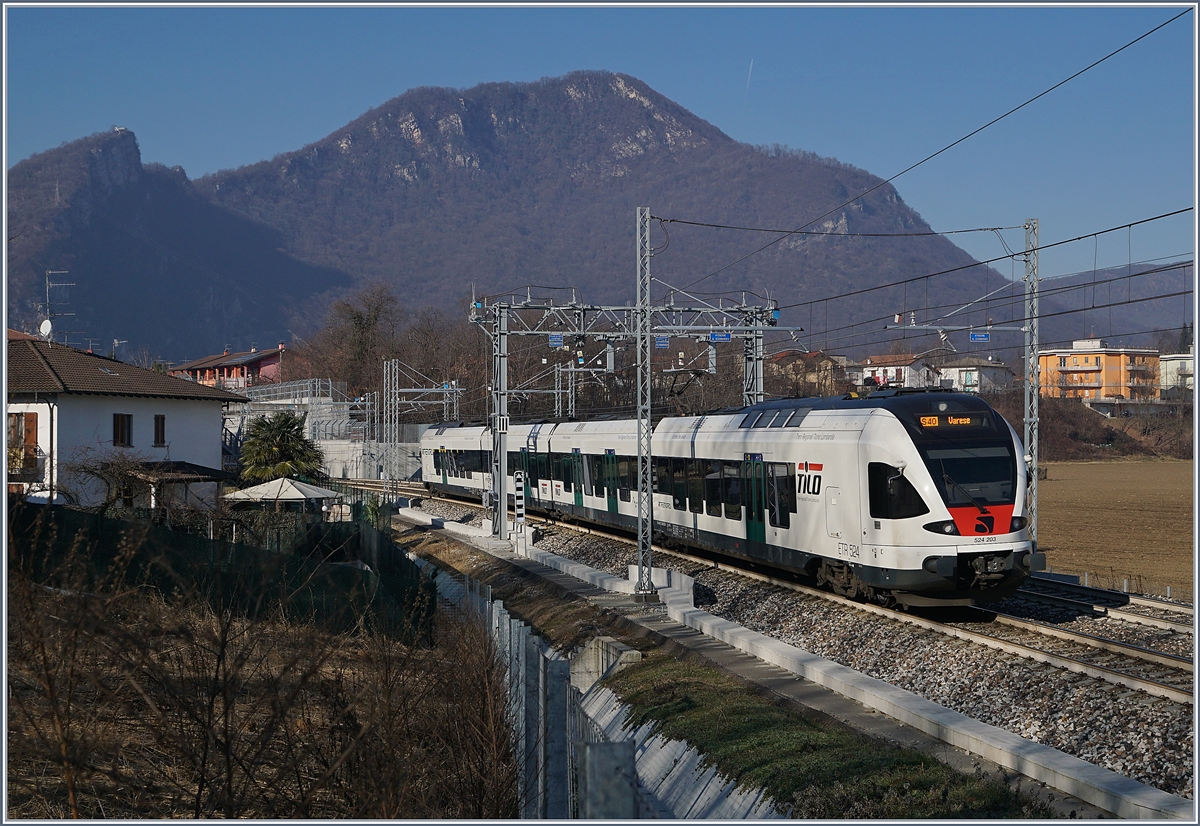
(807, 374)
(900, 370)
(975, 374)
(1093, 370)
(1176, 373)
(235, 371)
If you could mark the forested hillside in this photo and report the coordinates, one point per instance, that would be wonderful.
(441, 192)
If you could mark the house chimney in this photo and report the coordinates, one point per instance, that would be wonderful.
(281, 347)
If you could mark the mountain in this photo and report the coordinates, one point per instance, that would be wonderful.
(153, 263)
(439, 192)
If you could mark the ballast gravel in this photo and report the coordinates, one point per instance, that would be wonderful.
(1146, 738)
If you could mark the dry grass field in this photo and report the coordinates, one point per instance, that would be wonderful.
(1120, 519)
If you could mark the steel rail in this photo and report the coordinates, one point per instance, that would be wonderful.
(1092, 641)
(1105, 611)
(1116, 596)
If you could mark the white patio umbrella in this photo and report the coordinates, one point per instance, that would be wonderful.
(282, 490)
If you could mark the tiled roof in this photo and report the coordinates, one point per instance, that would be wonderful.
(16, 335)
(44, 367)
(890, 360)
(227, 360)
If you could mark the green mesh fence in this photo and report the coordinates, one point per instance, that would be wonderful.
(336, 575)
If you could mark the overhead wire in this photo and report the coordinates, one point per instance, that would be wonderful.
(943, 149)
(835, 234)
(849, 331)
(991, 260)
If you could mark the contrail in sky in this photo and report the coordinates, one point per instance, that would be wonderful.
(748, 78)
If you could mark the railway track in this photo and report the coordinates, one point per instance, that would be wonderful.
(1141, 669)
(1133, 608)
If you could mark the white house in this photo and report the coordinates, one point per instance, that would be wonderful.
(899, 370)
(973, 374)
(1177, 371)
(70, 412)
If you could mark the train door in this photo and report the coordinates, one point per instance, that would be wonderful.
(833, 512)
(576, 468)
(754, 485)
(444, 460)
(610, 479)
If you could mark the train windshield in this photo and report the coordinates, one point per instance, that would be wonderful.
(965, 445)
(972, 476)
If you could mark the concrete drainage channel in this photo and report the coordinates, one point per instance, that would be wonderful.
(1097, 786)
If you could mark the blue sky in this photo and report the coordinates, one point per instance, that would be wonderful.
(213, 88)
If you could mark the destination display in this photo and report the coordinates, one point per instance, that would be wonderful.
(976, 419)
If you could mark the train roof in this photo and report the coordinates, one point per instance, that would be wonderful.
(905, 399)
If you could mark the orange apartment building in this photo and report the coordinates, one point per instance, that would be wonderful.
(1093, 370)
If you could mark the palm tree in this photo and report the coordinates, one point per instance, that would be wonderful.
(276, 446)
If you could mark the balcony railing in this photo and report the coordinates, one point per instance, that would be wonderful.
(26, 463)
(1078, 368)
(1080, 384)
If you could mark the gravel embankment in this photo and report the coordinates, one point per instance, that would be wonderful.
(1146, 738)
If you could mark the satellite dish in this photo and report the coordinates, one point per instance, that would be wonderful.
(46, 328)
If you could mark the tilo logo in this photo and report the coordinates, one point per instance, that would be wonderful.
(808, 478)
(985, 524)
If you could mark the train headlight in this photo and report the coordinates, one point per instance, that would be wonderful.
(1018, 523)
(948, 527)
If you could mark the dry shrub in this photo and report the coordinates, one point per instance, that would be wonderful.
(128, 700)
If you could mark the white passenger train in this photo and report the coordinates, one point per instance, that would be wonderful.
(908, 496)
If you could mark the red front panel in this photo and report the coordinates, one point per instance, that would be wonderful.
(970, 522)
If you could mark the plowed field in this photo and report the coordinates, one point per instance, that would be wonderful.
(1120, 520)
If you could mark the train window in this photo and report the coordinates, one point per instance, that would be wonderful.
(781, 493)
(596, 467)
(566, 471)
(732, 490)
(891, 495)
(765, 419)
(750, 419)
(979, 474)
(695, 469)
(679, 484)
(797, 416)
(712, 488)
(660, 479)
(781, 418)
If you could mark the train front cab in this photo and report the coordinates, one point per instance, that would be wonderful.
(946, 504)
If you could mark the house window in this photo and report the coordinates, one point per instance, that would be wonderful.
(160, 430)
(1062, 361)
(22, 441)
(122, 430)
